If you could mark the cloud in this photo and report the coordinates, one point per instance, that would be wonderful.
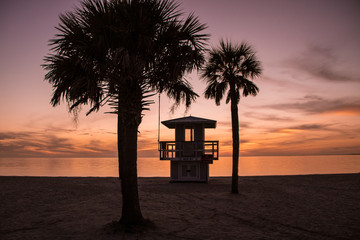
(312, 127)
(228, 125)
(281, 81)
(8, 135)
(18, 144)
(267, 117)
(306, 129)
(293, 149)
(321, 62)
(229, 142)
(45, 144)
(318, 105)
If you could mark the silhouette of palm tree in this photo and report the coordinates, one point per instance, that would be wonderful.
(230, 67)
(121, 52)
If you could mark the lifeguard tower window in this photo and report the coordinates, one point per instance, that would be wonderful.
(189, 134)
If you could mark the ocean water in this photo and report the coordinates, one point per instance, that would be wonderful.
(153, 167)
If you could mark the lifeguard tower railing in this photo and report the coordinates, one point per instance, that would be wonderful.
(188, 150)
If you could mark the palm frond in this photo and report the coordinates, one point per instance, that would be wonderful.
(248, 87)
(169, 10)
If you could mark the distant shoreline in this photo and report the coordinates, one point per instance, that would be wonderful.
(214, 177)
(156, 156)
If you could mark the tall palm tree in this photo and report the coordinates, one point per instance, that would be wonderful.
(230, 67)
(120, 53)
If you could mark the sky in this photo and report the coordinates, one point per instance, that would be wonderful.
(308, 104)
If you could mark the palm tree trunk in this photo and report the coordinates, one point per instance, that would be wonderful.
(127, 150)
(235, 137)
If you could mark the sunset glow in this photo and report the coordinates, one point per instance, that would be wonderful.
(308, 104)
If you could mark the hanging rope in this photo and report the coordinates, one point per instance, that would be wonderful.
(159, 121)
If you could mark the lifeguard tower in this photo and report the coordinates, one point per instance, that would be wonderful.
(189, 155)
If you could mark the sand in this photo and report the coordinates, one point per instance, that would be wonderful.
(275, 207)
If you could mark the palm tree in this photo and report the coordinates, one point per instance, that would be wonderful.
(230, 67)
(120, 53)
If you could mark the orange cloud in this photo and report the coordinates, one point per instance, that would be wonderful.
(349, 111)
(43, 144)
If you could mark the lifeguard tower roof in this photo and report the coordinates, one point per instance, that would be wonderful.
(207, 123)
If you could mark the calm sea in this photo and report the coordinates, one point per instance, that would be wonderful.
(153, 167)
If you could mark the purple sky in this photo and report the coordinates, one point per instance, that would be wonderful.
(309, 100)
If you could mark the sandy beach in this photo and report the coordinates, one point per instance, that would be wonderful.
(274, 207)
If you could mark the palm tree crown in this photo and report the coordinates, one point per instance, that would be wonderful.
(106, 48)
(231, 64)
